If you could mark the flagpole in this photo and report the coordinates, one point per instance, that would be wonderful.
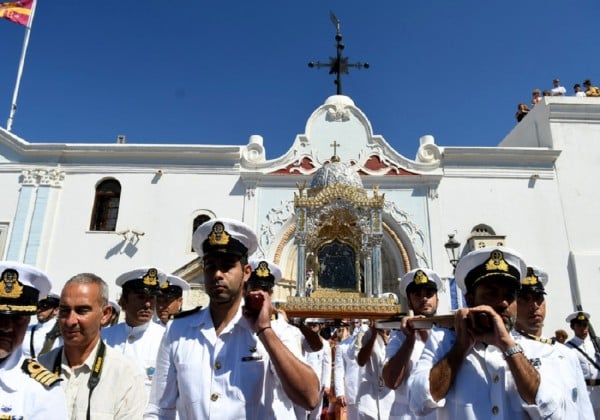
(13, 107)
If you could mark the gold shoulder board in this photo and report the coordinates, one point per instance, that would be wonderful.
(34, 369)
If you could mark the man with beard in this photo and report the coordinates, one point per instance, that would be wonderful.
(99, 382)
(482, 369)
(225, 361)
(138, 337)
(27, 389)
(531, 313)
(170, 300)
(420, 287)
(589, 359)
(46, 322)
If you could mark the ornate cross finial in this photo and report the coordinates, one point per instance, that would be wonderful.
(338, 64)
(335, 157)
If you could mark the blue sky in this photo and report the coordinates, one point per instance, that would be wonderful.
(198, 72)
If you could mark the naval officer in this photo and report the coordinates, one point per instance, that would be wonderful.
(223, 362)
(531, 313)
(27, 389)
(138, 337)
(420, 287)
(589, 358)
(483, 369)
(169, 301)
(46, 323)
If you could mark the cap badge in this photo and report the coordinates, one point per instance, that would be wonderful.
(581, 317)
(218, 236)
(263, 269)
(9, 284)
(531, 279)
(496, 262)
(420, 277)
(165, 285)
(151, 277)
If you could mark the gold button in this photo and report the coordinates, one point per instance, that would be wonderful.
(217, 365)
(495, 410)
(214, 397)
(496, 379)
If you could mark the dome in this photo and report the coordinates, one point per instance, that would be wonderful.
(334, 173)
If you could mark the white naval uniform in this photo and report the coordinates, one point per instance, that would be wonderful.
(346, 373)
(205, 376)
(140, 344)
(320, 362)
(589, 370)
(567, 374)
(484, 387)
(374, 400)
(400, 408)
(25, 398)
(291, 337)
(39, 337)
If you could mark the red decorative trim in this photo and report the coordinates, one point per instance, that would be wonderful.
(305, 163)
(375, 164)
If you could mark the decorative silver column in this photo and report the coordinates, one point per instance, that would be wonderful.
(301, 243)
(377, 271)
(368, 276)
(301, 276)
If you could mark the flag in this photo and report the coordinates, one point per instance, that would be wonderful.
(16, 11)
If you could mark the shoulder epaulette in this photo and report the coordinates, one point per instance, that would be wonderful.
(183, 314)
(35, 370)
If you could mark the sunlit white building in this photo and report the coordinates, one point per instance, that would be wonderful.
(108, 208)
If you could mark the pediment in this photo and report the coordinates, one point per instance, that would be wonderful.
(339, 127)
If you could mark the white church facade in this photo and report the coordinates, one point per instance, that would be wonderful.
(108, 208)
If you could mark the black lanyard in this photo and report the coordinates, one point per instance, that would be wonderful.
(94, 377)
(580, 350)
(31, 348)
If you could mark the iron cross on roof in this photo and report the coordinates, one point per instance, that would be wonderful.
(338, 64)
(335, 157)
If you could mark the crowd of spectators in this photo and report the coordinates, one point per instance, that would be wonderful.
(557, 90)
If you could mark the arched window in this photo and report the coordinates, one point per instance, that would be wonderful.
(106, 206)
(198, 220)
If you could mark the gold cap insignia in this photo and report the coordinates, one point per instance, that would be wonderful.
(165, 285)
(581, 317)
(531, 279)
(263, 269)
(420, 277)
(151, 277)
(496, 262)
(10, 286)
(218, 236)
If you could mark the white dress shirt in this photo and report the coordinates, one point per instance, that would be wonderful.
(24, 397)
(203, 376)
(589, 370)
(374, 399)
(484, 386)
(346, 373)
(321, 363)
(140, 344)
(400, 408)
(119, 394)
(568, 375)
